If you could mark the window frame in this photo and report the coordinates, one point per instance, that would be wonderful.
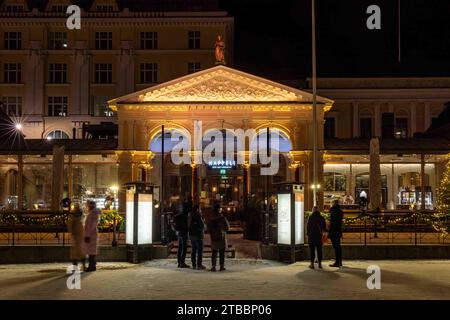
(52, 104)
(148, 72)
(16, 104)
(8, 40)
(55, 75)
(99, 73)
(12, 74)
(194, 37)
(193, 67)
(148, 40)
(57, 42)
(103, 43)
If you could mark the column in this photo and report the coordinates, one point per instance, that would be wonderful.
(19, 182)
(80, 79)
(34, 80)
(57, 176)
(422, 182)
(194, 193)
(124, 175)
(125, 83)
(246, 186)
(70, 178)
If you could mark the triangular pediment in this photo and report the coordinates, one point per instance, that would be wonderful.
(219, 84)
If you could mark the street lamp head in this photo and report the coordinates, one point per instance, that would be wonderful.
(19, 126)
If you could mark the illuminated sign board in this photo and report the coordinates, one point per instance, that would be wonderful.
(284, 218)
(290, 207)
(144, 218)
(222, 164)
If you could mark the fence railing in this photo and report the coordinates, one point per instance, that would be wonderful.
(41, 227)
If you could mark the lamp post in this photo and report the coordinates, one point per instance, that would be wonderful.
(114, 190)
(314, 106)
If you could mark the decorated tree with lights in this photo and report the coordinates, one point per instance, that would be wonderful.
(443, 192)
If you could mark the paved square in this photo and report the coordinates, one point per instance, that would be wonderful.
(244, 279)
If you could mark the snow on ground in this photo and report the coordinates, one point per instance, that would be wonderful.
(244, 279)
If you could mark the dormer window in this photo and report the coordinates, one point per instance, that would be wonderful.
(14, 8)
(60, 8)
(105, 8)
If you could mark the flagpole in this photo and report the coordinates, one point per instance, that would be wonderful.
(314, 106)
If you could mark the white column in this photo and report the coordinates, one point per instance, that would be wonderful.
(34, 80)
(355, 119)
(80, 79)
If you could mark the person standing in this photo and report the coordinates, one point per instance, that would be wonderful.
(315, 229)
(75, 227)
(196, 234)
(218, 226)
(335, 232)
(91, 234)
(181, 226)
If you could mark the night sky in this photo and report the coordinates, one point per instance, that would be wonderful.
(273, 38)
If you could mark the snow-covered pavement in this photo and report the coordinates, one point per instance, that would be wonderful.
(244, 279)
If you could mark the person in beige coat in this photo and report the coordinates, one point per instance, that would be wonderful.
(75, 227)
(91, 234)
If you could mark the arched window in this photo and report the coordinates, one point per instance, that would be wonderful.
(278, 141)
(57, 134)
(169, 143)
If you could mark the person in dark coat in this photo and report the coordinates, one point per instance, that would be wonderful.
(315, 228)
(181, 226)
(217, 227)
(335, 232)
(196, 233)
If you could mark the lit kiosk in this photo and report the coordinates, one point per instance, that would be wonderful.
(290, 221)
(139, 221)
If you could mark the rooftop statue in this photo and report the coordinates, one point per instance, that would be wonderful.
(219, 51)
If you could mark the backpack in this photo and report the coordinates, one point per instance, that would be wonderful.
(177, 222)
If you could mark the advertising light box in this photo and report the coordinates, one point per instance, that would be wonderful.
(290, 220)
(144, 218)
(284, 218)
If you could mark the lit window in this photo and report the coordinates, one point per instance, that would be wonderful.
(334, 181)
(101, 108)
(57, 134)
(13, 40)
(57, 106)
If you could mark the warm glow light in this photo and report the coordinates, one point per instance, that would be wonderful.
(114, 188)
(49, 138)
(19, 126)
(214, 189)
